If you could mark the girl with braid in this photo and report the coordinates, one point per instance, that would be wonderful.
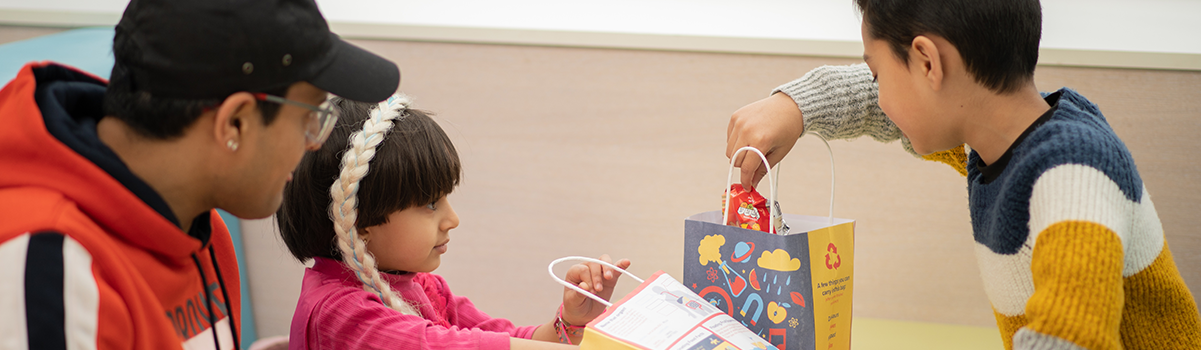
(370, 209)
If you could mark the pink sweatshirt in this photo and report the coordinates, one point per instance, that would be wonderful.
(334, 312)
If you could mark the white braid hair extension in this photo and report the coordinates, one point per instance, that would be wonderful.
(344, 207)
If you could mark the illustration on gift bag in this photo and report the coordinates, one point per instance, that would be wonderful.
(768, 300)
(793, 290)
(661, 314)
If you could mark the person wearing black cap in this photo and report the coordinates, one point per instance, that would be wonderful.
(108, 235)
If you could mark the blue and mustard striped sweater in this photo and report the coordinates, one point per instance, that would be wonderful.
(1070, 248)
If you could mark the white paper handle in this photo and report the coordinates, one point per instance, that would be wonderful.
(771, 220)
(831, 151)
(551, 268)
(770, 205)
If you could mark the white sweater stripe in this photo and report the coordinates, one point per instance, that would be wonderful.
(1079, 192)
(1071, 192)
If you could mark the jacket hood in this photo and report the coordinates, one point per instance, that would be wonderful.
(49, 140)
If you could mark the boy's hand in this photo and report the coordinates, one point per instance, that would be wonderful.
(772, 125)
(593, 277)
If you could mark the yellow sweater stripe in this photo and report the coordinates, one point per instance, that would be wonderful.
(1008, 326)
(1153, 293)
(1081, 297)
(955, 157)
(1077, 270)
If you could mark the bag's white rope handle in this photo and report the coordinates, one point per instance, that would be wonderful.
(770, 208)
(771, 220)
(831, 151)
(551, 268)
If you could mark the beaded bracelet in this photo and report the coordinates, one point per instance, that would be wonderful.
(564, 329)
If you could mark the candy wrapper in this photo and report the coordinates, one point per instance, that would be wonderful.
(750, 210)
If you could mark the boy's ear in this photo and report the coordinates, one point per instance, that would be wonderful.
(232, 117)
(924, 54)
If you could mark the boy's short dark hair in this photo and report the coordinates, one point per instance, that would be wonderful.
(415, 154)
(997, 39)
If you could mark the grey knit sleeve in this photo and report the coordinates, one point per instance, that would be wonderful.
(840, 102)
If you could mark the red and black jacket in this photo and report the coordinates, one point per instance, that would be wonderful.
(90, 255)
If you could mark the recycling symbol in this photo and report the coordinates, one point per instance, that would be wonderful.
(832, 262)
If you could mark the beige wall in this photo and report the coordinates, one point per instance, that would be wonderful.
(571, 151)
(11, 33)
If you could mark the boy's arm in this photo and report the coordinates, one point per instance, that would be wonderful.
(836, 102)
(841, 102)
(1077, 273)
(1100, 270)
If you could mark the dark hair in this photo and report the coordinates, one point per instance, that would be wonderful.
(161, 117)
(997, 39)
(415, 164)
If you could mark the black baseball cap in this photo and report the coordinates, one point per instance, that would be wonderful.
(201, 49)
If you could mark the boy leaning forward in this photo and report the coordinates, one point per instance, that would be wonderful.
(1070, 248)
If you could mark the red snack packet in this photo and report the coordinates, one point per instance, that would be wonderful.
(750, 209)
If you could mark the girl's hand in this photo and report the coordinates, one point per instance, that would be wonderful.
(599, 279)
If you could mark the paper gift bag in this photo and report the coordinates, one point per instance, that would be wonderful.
(793, 289)
(662, 314)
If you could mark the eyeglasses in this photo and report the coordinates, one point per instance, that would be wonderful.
(321, 118)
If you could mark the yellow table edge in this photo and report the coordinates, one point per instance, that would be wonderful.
(879, 334)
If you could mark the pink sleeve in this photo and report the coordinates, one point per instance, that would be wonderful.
(349, 320)
(461, 312)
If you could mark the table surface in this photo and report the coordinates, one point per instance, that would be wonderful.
(875, 333)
